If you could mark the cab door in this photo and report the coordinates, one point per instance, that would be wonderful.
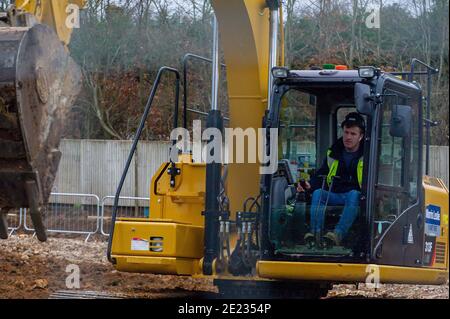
(397, 215)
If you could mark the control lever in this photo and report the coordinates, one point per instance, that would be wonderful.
(306, 195)
(324, 178)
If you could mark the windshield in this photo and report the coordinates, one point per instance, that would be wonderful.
(297, 133)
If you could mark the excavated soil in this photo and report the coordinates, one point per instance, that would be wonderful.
(31, 269)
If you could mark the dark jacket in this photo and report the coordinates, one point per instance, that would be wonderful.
(348, 177)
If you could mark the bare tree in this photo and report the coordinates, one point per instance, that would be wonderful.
(380, 9)
(4, 4)
(353, 34)
(421, 10)
(121, 53)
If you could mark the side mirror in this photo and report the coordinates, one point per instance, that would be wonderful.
(362, 99)
(401, 121)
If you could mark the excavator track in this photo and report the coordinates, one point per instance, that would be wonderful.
(71, 294)
(38, 84)
(248, 289)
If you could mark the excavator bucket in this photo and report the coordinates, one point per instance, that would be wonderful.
(39, 82)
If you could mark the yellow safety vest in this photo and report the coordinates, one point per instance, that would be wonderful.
(333, 166)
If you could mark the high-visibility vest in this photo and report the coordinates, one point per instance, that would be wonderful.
(333, 166)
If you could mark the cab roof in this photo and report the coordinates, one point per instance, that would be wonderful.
(325, 75)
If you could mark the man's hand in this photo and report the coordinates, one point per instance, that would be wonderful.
(303, 188)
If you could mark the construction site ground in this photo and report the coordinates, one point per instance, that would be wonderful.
(31, 269)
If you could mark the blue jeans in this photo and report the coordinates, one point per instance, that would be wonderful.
(349, 199)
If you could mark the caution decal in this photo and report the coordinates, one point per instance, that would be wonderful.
(139, 244)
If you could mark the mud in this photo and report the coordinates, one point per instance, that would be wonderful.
(31, 269)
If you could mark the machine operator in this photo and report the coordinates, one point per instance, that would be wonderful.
(338, 181)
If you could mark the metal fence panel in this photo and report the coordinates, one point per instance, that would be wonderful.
(102, 165)
(80, 216)
(95, 167)
(69, 171)
(14, 219)
(135, 207)
(439, 162)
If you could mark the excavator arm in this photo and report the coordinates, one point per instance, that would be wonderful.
(245, 34)
(39, 82)
(53, 13)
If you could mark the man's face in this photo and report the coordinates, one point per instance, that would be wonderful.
(352, 137)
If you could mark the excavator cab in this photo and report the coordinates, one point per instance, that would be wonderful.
(309, 107)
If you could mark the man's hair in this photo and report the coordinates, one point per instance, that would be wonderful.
(354, 119)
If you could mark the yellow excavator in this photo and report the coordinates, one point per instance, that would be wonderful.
(245, 229)
(229, 222)
(38, 84)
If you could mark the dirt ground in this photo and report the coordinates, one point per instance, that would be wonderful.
(30, 269)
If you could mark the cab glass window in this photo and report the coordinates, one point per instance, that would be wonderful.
(391, 151)
(297, 134)
(398, 164)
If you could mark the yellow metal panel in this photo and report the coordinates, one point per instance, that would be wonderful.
(52, 13)
(157, 265)
(175, 216)
(336, 272)
(244, 35)
(183, 203)
(437, 194)
(185, 241)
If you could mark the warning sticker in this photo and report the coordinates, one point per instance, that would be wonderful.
(410, 235)
(140, 244)
(433, 221)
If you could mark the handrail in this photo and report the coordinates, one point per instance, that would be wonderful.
(204, 113)
(428, 122)
(135, 142)
(430, 71)
(406, 74)
(186, 59)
